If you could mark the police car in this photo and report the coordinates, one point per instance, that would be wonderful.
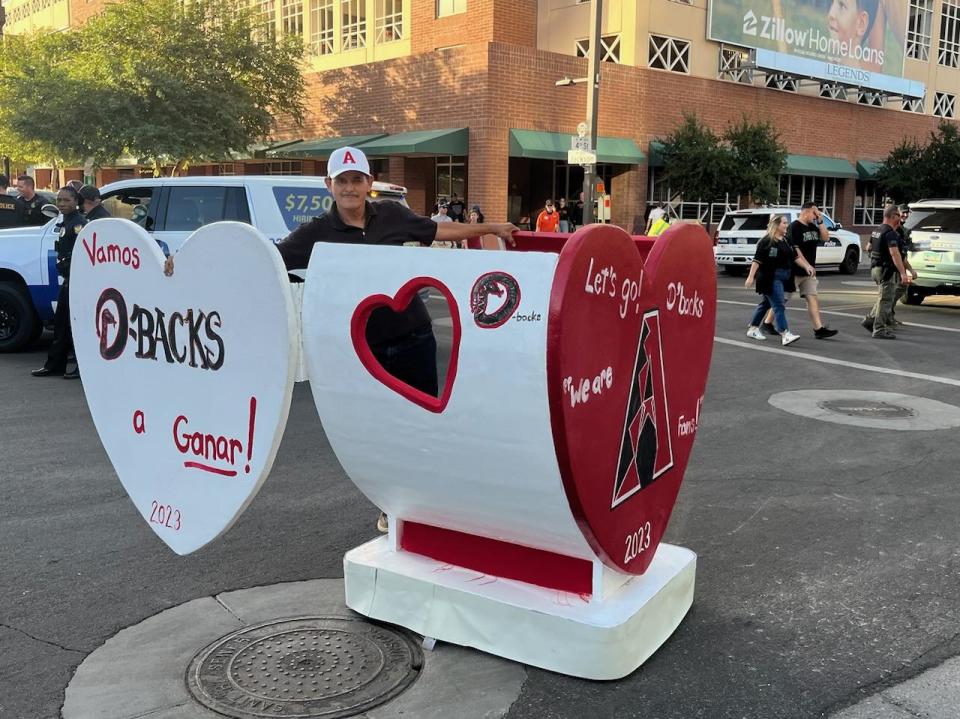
(741, 230)
(935, 230)
(170, 209)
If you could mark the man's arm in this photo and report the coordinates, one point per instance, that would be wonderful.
(822, 227)
(454, 231)
(905, 277)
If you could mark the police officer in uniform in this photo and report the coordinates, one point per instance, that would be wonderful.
(90, 203)
(30, 202)
(9, 210)
(68, 228)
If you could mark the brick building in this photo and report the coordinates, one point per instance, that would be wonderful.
(461, 96)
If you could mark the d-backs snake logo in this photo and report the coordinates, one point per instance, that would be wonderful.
(500, 285)
(646, 449)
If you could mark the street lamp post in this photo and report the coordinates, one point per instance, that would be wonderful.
(593, 96)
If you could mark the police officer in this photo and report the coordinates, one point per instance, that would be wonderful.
(68, 228)
(906, 247)
(30, 202)
(9, 210)
(90, 203)
(887, 268)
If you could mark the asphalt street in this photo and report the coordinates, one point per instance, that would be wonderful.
(829, 555)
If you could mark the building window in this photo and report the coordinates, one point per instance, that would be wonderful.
(797, 189)
(945, 105)
(264, 19)
(451, 177)
(866, 97)
(833, 91)
(868, 204)
(730, 61)
(389, 20)
(321, 27)
(354, 16)
(450, 7)
(919, 29)
(225, 169)
(283, 167)
(679, 207)
(913, 104)
(949, 55)
(291, 17)
(776, 81)
(667, 53)
(609, 44)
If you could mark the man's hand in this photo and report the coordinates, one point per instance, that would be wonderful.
(505, 232)
(913, 273)
(748, 283)
(168, 266)
(906, 278)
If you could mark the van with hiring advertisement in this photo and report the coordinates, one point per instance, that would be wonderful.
(170, 209)
(741, 230)
(935, 230)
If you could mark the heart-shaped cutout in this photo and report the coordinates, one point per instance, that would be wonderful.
(397, 304)
(188, 378)
(627, 362)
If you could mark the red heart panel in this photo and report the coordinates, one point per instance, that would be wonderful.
(627, 360)
(398, 303)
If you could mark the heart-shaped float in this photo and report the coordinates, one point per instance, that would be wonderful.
(189, 377)
(627, 361)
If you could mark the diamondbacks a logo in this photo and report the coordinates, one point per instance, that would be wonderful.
(348, 158)
(646, 448)
(749, 23)
(487, 314)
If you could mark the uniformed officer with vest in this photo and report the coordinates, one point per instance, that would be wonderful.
(31, 204)
(70, 225)
(90, 203)
(9, 210)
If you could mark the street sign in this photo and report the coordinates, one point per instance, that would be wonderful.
(579, 156)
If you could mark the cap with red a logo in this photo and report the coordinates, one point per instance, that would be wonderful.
(346, 159)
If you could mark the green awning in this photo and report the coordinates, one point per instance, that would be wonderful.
(867, 169)
(537, 145)
(454, 141)
(321, 147)
(819, 166)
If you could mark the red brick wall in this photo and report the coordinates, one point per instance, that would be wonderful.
(511, 21)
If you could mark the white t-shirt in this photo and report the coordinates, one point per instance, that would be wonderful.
(655, 214)
(441, 218)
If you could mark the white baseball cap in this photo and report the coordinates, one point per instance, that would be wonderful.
(345, 159)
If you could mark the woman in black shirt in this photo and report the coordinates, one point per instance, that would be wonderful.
(770, 270)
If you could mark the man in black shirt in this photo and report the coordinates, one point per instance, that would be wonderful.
(906, 247)
(9, 209)
(888, 270)
(806, 233)
(91, 205)
(403, 344)
(30, 202)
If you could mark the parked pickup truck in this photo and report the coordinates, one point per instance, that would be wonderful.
(170, 209)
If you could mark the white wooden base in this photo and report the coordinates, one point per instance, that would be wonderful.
(590, 638)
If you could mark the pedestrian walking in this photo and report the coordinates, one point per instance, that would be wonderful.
(548, 220)
(70, 225)
(772, 272)
(805, 234)
(906, 247)
(888, 270)
(563, 211)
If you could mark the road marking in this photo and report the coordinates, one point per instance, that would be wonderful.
(843, 314)
(843, 363)
(859, 283)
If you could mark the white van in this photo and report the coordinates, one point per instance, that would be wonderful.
(170, 209)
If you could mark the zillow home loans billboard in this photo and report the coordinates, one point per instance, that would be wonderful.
(854, 42)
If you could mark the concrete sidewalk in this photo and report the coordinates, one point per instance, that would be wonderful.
(934, 694)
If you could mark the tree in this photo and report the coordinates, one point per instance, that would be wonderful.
(163, 80)
(696, 164)
(758, 158)
(912, 171)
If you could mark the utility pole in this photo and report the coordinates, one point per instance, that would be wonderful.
(593, 97)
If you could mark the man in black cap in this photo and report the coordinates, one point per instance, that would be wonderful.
(30, 202)
(9, 211)
(90, 203)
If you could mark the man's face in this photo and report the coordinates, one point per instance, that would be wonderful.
(809, 215)
(442, 209)
(87, 205)
(904, 216)
(26, 189)
(66, 202)
(848, 23)
(349, 189)
(549, 207)
(894, 221)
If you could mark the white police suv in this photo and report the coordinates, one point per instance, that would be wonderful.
(741, 230)
(170, 209)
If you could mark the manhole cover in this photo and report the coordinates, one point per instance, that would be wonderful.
(867, 409)
(308, 667)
